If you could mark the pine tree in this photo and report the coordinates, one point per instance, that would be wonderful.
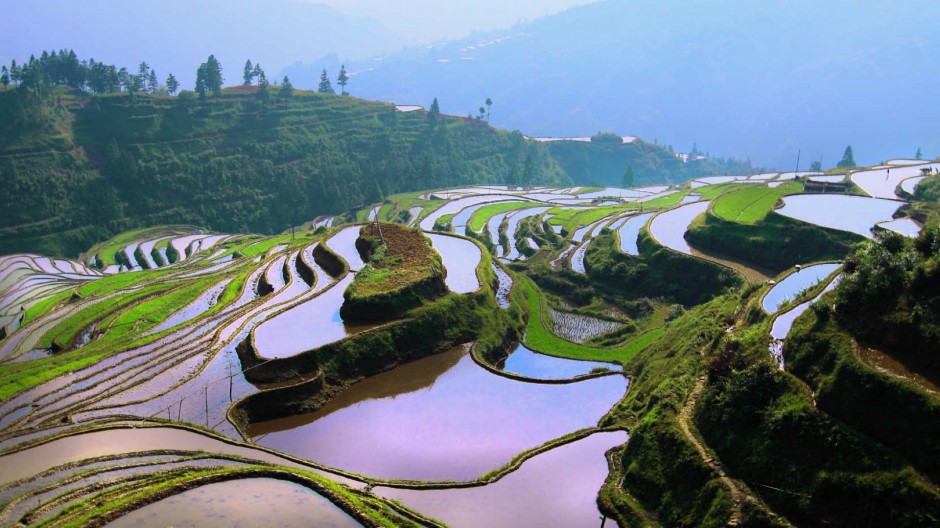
(628, 179)
(257, 73)
(287, 90)
(489, 104)
(263, 95)
(919, 155)
(248, 74)
(152, 84)
(214, 75)
(171, 84)
(201, 86)
(848, 158)
(342, 80)
(4, 77)
(435, 111)
(325, 86)
(14, 72)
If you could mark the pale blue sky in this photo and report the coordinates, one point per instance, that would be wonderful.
(426, 20)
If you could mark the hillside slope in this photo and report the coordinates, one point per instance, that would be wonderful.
(77, 170)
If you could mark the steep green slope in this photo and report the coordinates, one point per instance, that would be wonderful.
(77, 170)
(605, 163)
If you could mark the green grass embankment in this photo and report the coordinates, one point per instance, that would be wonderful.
(537, 337)
(664, 481)
(710, 192)
(897, 414)
(749, 205)
(402, 271)
(482, 215)
(116, 499)
(656, 272)
(124, 320)
(774, 242)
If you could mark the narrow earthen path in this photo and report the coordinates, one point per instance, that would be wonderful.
(685, 423)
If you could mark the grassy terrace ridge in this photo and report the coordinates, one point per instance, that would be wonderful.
(401, 272)
(572, 219)
(710, 192)
(482, 215)
(538, 338)
(400, 258)
(775, 242)
(105, 251)
(751, 204)
(394, 206)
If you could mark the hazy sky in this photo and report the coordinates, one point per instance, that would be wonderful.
(426, 20)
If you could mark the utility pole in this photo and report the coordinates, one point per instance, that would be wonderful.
(798, 152)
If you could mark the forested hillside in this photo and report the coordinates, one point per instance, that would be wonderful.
(77, 169)
(637, 162)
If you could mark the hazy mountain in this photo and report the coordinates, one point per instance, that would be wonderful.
(745, 79)
(177, 35)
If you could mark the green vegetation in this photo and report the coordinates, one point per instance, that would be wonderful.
(662, 476)
(572, 219)
(110, 163)
(540, 339)
(775, 242)
(889, 296)
(482, 215)
(848, 158)
(749, 205)
(604, 162)
(895, 413)
(710, 192)
(45, 306)
(117, 498)
(762, 423)
(656, 272)
(402, 271)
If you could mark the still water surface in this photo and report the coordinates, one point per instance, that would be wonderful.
(438, 418)
(241, 503)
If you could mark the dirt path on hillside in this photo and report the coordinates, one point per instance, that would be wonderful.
(685, 423)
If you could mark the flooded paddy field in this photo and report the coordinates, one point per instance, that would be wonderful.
(438, 419)
(177, 325)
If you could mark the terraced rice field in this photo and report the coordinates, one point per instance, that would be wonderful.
(750, 205)
(144, 367)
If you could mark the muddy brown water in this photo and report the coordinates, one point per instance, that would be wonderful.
(439, 418)
(241, 503)
(882, 362)
(556, 488)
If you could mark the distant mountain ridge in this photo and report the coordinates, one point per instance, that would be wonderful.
(759, 80)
